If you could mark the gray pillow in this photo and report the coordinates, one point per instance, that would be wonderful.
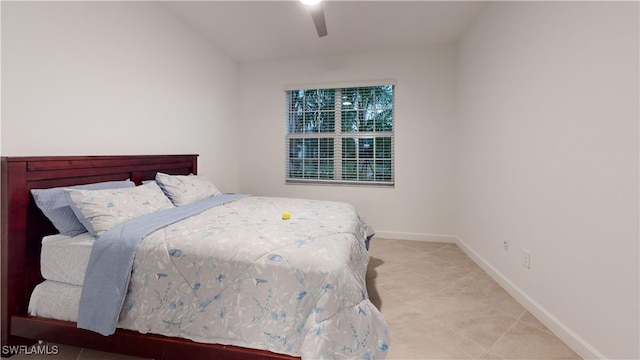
(56, 207)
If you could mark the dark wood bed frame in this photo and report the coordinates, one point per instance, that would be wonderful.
(24, 225)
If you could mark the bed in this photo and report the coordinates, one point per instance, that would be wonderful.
(252, 312)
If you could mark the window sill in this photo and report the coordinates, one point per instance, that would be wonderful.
(339, 183)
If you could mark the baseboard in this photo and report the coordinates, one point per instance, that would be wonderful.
(575, 342)
(415, 236)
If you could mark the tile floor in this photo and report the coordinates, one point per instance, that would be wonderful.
(438, 304)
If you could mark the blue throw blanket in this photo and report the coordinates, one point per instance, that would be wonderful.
(109, 269)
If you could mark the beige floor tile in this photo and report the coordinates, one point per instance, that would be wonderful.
(531, 320)
(479, 287)
(484, 327)
(449, 305)
(453, 254)
(386, 245)
(414, 336)
(430, 265)
(398, 251)
(440, 286)
(380, 269)
(416, 280)
(391, 307)
(524, 341)
(410, 288)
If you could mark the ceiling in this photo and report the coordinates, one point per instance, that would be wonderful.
(255, 31)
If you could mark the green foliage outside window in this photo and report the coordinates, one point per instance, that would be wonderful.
(343, 134)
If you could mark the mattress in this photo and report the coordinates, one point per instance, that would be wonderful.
(64, 259)
(55, 300)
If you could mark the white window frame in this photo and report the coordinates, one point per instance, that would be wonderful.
(337, 135)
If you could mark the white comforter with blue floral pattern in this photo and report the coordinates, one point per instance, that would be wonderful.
(238, 274)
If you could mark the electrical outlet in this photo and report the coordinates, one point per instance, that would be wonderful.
(505, 245)
(526, 259)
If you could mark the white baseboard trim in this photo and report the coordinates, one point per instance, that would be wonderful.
(414, 236)
(575, 342)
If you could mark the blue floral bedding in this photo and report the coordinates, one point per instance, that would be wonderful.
(239, 274)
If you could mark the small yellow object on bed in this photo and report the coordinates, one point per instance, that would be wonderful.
(286, 215)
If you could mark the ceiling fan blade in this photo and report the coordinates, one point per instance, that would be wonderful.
(317, 13)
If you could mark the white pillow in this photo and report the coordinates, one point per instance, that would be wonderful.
(186, 189)
(100, 210)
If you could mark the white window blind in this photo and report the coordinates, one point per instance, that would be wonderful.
(340, 135)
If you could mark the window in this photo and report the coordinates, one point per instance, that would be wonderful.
(340, 135)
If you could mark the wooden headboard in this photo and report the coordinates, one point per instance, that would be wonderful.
(24, 225)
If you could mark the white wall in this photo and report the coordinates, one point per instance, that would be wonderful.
(109, 78)
(548, 159)
(420, 204)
